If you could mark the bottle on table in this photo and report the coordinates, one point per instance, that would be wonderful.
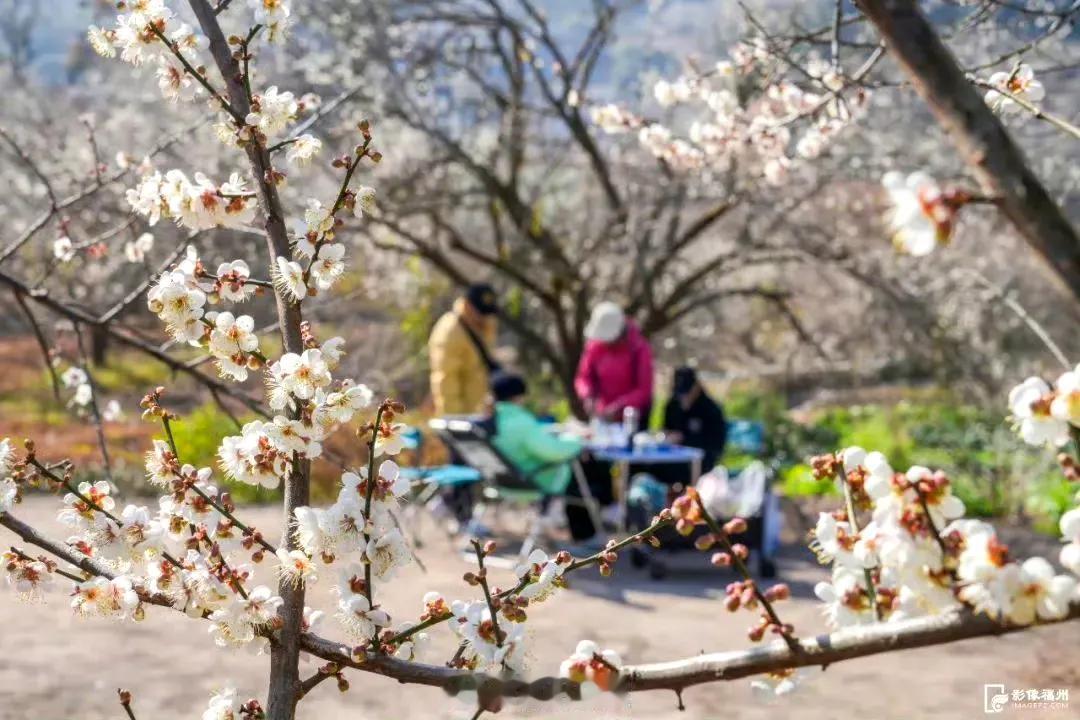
(629, 423)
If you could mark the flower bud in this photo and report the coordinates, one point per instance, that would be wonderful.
(489, 547)
(721, 559)
(756, 633)
(735, 526)
(705, 541)
(778, 592)
(342, 684)
(740, 551)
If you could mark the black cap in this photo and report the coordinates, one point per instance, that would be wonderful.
(482, 297)
(507, 386)
(684, 380)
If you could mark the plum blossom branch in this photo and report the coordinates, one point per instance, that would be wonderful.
(216, 503)
(735, 555)
(1059, 122)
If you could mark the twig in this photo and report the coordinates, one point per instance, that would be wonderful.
(214, 502)
(95, 409)
(1033, 324)
(1059, 122)
(482, 579)
(737, 561)
(323, 673)
(125, 702)
(43, 343)
(369, 590)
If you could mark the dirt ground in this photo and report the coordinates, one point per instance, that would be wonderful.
(53, 666)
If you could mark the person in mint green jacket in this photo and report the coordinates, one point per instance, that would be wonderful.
(527, 442)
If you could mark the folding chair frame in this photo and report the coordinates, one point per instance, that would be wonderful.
(509, 477)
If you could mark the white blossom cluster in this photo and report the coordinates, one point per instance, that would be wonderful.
(148, 32)
(918, 556)
(179, 298)
(726, 126)
(198, 205)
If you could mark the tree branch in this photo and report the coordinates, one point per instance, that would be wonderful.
(978, 134)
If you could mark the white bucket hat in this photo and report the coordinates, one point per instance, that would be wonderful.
(606, 322)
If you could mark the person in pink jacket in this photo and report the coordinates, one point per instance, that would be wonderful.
(616, 368)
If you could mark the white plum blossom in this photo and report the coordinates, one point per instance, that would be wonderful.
(73, 377)
(289, 279)
(274, 111)
(296, 567)
(237, 622)
(1037, 593)
(921, 218)
(414, 646)
(544, 572)
(1030, 403)
(318, 218)
(328, 266)
(1066, 403)
(135, 251)
(274, 15)
(1070, 533)
(7, 455)
(365, 201)
(835, 542)
(302, 375)
(473, 623)
(232, 342)
(1019, 83)
(198, 205)
(771, 686)
(303, 149)
(9, 494)
(232, 281)
(27, 577)
(390, 439)
(63, 249)
(252, 458)
(387, 554)
(223, 705)
(846, 599)
(102, 596)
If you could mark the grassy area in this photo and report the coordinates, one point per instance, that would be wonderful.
(992, 471)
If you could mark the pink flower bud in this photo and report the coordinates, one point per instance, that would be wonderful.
(778, 592)
(735, 526)
(721, 559)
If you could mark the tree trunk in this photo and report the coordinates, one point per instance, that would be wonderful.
(284, 687)
(978, 134)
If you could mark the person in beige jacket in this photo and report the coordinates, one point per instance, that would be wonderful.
(460, 349)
